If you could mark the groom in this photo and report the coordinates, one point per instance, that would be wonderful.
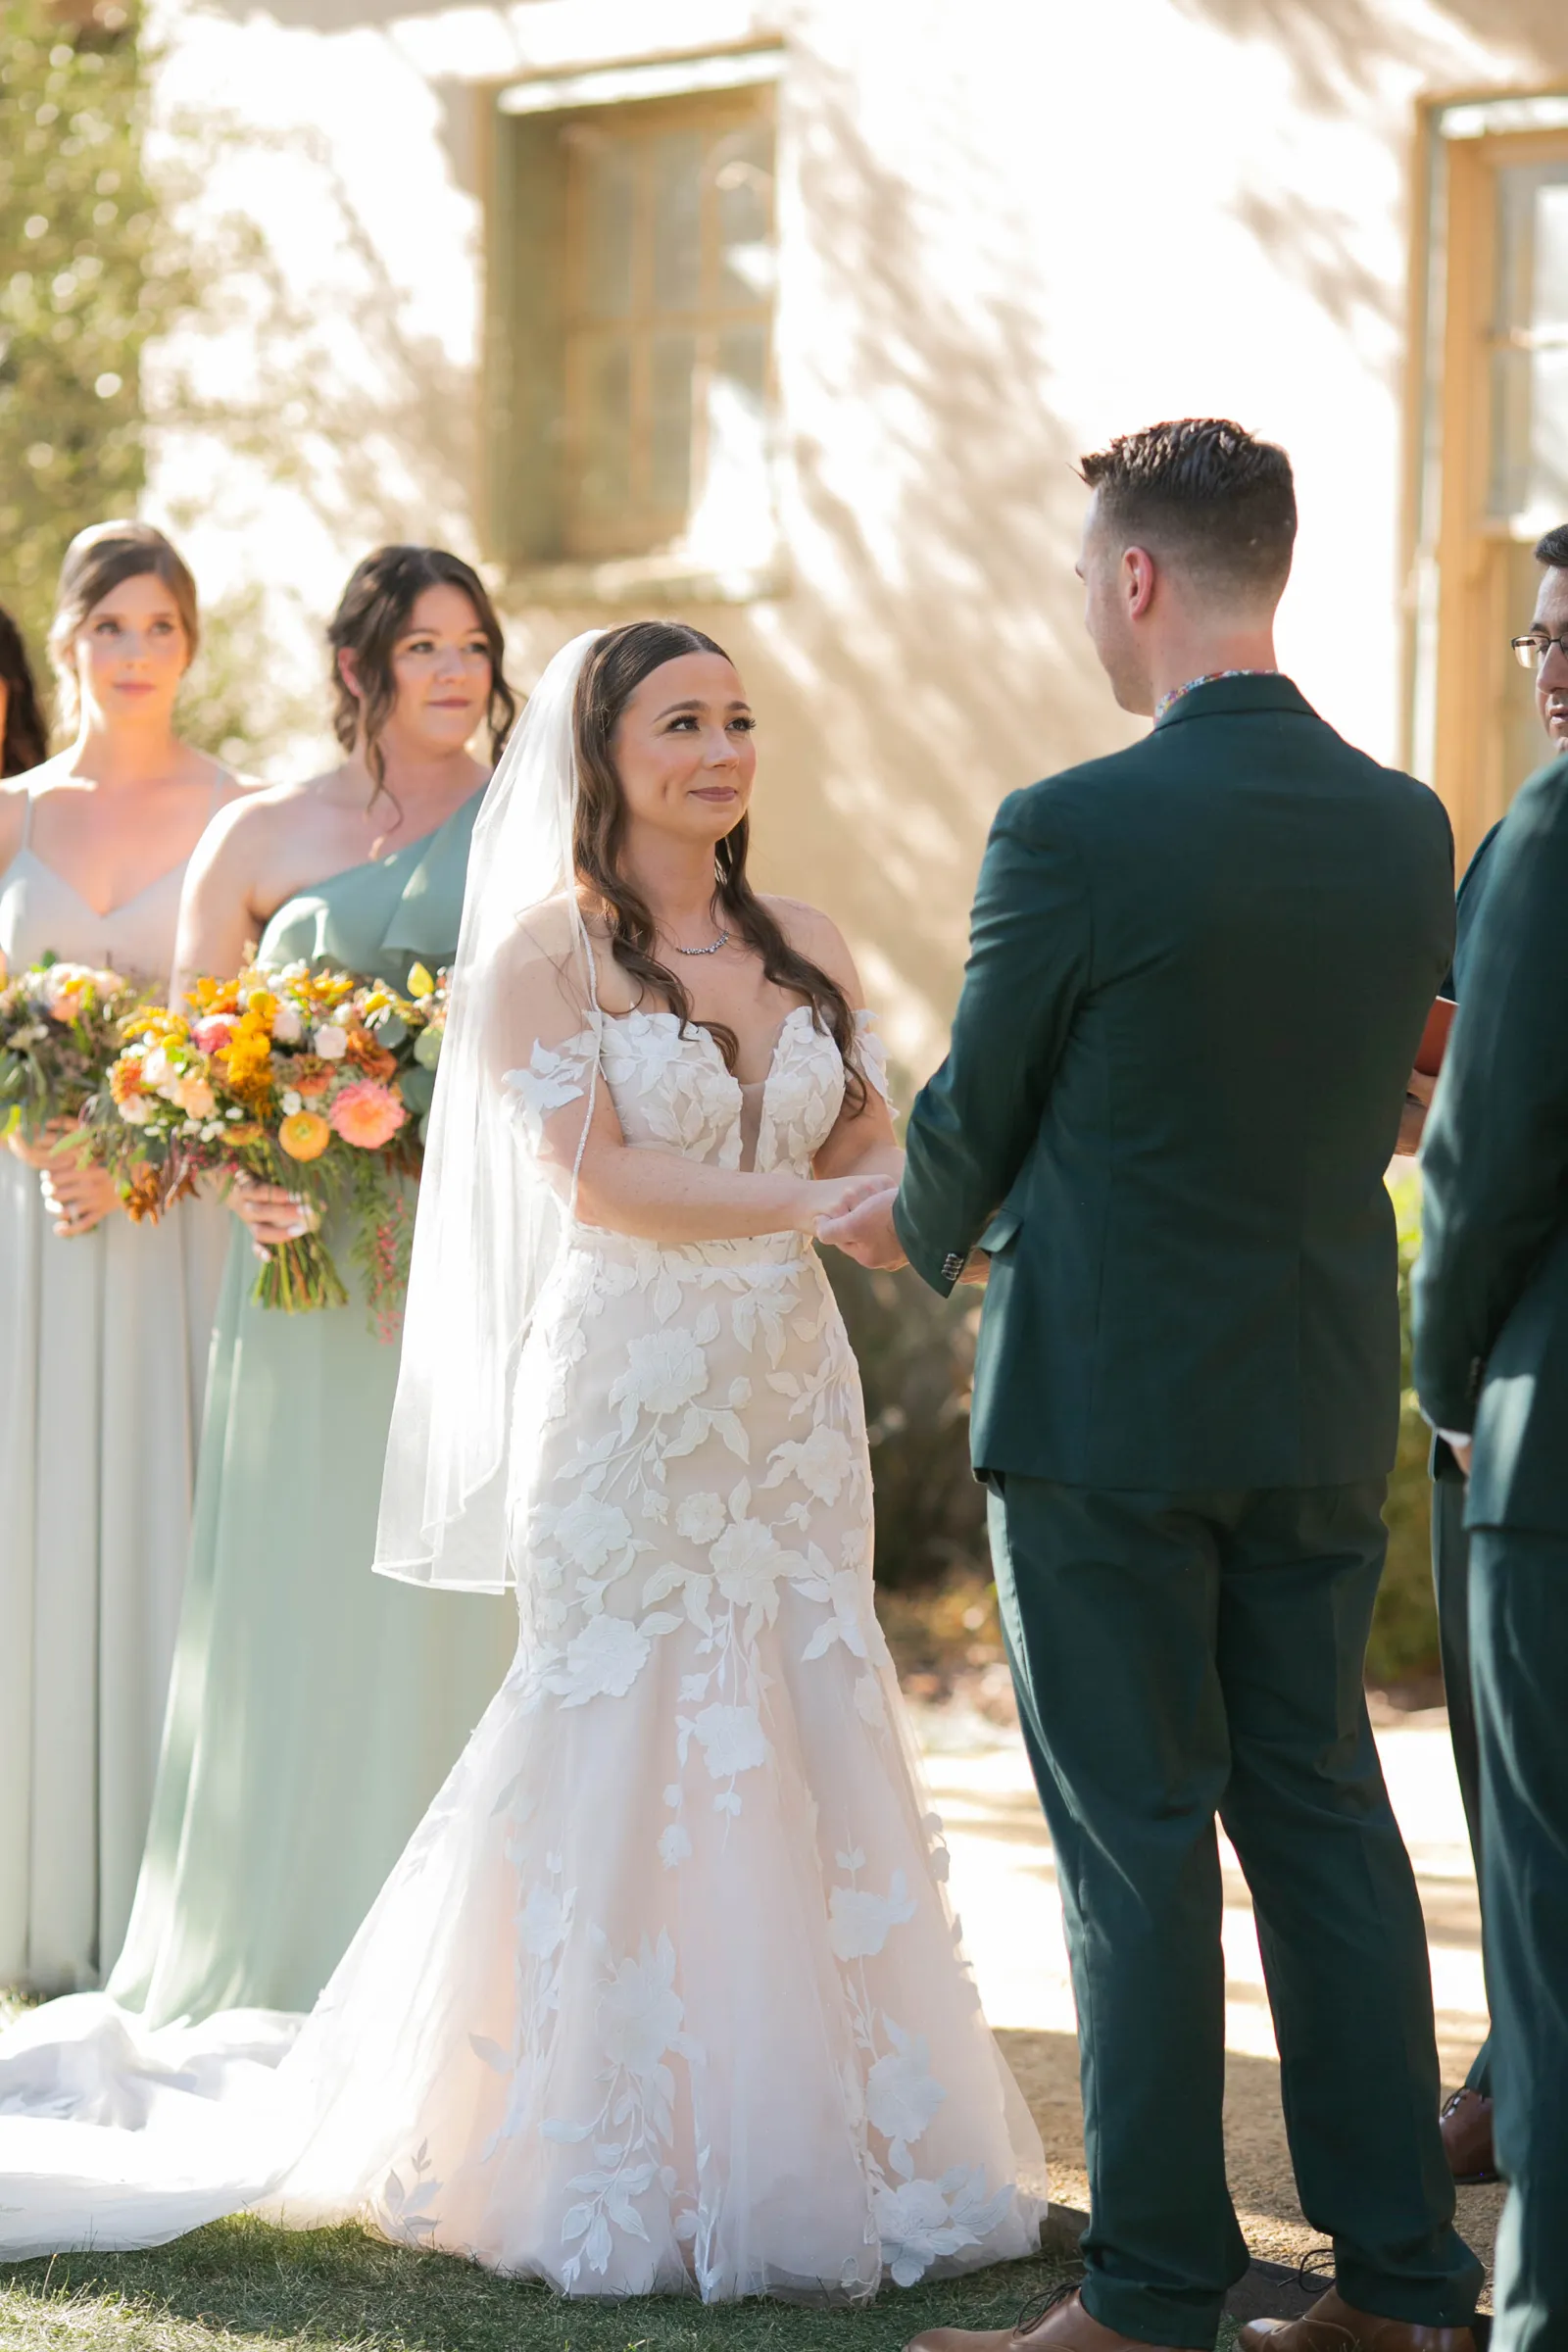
(1198, 975)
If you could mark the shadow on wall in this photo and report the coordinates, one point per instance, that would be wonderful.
(933, 656)
(930, 654)
(1332, 43)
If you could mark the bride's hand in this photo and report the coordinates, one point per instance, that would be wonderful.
(270, 1212)
(822, 1198)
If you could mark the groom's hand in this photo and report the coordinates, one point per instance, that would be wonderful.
(867, 1234)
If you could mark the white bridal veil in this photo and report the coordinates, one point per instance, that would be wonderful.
(515, 1094)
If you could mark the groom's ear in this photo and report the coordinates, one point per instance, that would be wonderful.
(1138, 574)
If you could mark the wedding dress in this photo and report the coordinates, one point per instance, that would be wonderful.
(665, 1993)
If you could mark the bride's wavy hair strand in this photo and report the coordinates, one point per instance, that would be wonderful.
(615, 669)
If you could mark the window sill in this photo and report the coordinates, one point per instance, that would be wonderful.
(647, 580)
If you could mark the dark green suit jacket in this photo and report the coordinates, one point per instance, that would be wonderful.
(1198, 976)
(1491, 1283)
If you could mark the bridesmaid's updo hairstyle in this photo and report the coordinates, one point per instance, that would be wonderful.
(373, 614)
(97, 560)
(616, 667)
(25, 743)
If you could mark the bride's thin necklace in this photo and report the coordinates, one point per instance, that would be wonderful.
(722, 941)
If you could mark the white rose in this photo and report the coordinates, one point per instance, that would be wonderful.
(292, 1101)
(859, 1921)
(700, 1518)
(135, 1110)
(639, 2011)
(331, 1042)
(732, 1740)
(666, 1370)
(287, 1027)
(902, 2095)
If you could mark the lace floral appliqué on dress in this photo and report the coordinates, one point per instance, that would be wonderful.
(665, 1995)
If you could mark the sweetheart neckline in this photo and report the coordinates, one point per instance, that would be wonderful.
(741, 1085)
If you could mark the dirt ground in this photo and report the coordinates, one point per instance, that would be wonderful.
(1003, 1883)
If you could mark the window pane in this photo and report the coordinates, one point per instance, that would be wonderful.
(743, 183)
(670, 470)
(606, 430)
(741, 367)
(677, 220)
(610, 199)
(1530, 354)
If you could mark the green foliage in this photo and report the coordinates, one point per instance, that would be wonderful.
(79, 289)
(1404, 1631)
(916, 1359)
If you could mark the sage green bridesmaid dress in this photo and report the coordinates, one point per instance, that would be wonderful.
(315, 1708)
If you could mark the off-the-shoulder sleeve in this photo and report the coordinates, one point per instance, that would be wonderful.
(552, 1078)
(872, 1052)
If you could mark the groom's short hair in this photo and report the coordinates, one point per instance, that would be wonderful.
(1202, 495)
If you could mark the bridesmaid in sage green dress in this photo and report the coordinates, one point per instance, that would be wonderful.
(316, 1708)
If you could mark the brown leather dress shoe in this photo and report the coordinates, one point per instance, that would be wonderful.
(1335, 2325)
(1467, 2127)
(1053, 2322)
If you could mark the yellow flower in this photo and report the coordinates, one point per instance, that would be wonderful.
(420, 982)
(305, 1135)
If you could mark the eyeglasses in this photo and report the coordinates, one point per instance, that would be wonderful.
(1529, 652)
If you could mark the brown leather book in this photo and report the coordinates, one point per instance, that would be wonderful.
(1435, 1037)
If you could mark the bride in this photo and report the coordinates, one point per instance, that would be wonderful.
(665, 1993)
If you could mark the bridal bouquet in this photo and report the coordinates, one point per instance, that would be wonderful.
(314, 1081)
(60, 1028)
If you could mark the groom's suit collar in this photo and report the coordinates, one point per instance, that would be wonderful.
(1228, 697)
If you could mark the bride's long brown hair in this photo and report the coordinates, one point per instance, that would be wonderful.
(616, 667)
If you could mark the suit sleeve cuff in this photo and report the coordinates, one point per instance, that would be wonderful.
(937, 1269)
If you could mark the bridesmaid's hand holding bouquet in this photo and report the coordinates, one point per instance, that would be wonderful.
(307, 1081)
(60, 1027)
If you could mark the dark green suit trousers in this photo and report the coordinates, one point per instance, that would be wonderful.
(1178, 1655)
(1519, 1643)
(1451, 1579)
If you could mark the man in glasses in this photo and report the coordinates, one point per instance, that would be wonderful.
(1467, 2116)
(1491, 1374)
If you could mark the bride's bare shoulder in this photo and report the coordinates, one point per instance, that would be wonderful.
(815, 936)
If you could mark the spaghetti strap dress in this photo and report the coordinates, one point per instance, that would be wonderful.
(316, 1708)
(104, 1345)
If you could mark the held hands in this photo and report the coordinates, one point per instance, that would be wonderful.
(270, 1214)
(863, 1227)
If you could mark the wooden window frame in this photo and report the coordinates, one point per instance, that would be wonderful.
(1458, 665)
(529, 432)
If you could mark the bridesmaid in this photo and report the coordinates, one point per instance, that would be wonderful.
(316, 1708)
(104, 1327)
(22, 741)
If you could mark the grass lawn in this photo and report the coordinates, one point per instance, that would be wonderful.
(339, 2291)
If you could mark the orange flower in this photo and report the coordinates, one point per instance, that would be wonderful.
(374, 1059)
(305, 1135)
(310, 1075)
(124, 1078)
(367, 1114)
(141, 1197)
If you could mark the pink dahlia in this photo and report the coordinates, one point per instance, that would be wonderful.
(211, 1035)
(367, 1114)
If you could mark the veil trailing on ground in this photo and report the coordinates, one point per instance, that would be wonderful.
(515, 1096)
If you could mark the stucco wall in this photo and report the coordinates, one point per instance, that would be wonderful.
(1008, 229)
